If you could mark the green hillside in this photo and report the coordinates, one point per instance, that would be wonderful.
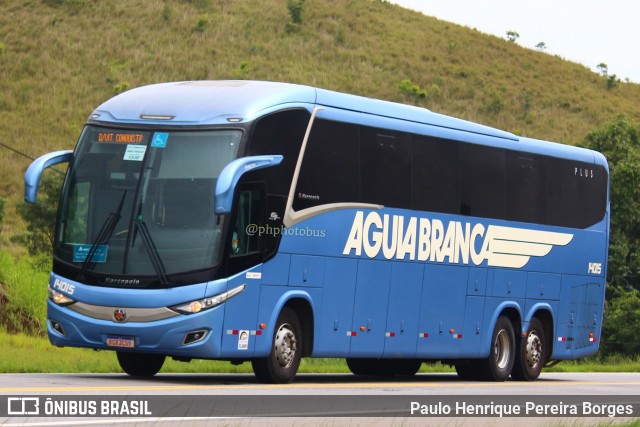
(60, 58)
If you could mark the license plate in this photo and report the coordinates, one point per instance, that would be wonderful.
(127, 342)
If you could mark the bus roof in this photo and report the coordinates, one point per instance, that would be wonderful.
(218, 102)
(198, 103)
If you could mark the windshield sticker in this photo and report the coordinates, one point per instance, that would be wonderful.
(159, 140)
(135, 152)
(80, 253)
(243, 340)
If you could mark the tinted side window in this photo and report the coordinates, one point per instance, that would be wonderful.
(482, 173)
(385, 177)
(526, 188)
(563, 194)
(577, 193)
(279, 133)
(330, 167)
(435, 175)
(593, 195)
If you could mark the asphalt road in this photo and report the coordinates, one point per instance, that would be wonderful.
(320, 384)
(622, 387)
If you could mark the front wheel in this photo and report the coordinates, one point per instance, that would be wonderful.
(140, 364)
(499, 364)
(281, 365)
(531, 355)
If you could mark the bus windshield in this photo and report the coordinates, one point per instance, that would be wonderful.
(141, 203)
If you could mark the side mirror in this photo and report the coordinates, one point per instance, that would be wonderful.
(231, 174)
(35, 169)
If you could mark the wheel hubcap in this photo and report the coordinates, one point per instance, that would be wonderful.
(501, 349)
(534, 350)
(285, 346)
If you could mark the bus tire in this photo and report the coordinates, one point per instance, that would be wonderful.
(281, 365)
(468, 370)
(366, 367)
(406, 367)
(499, 364)
(140, 364)
(530, 357)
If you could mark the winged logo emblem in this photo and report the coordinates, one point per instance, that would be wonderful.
(513, 247)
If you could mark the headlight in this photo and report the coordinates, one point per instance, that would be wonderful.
(197, 306)
(59, 298)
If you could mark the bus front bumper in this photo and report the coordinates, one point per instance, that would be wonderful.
(190, 336)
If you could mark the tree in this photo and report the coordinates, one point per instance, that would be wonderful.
(604, 69)
(512, 36)
(541, 46)
(41, 217)
(621, 327)
(620, 143)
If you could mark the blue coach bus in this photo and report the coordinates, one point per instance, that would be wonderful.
(266, 222)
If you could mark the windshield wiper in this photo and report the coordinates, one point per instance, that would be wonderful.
(154, 256)
(105, 233)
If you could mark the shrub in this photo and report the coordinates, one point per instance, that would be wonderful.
(296, 10)
(167, 13)
(202, 24)
(412, 90)
(121, 87)
(243, 71)
(495, 104)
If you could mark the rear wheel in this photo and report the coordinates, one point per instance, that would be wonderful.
(281, 365)
(499, 364)
(470, 370)
(530, 357)
(140, 364)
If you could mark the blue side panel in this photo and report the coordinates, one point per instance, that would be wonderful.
(403, 313)
(579, 326)
(543, 286)
(369, 315)
(588, 319)
(306, 271)
(335, 315)
(509, 284)
(477, 285)
(472, 333)
(238, 318)
(444, 290)
(566, 317)
(275, 272)
(474, 311)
